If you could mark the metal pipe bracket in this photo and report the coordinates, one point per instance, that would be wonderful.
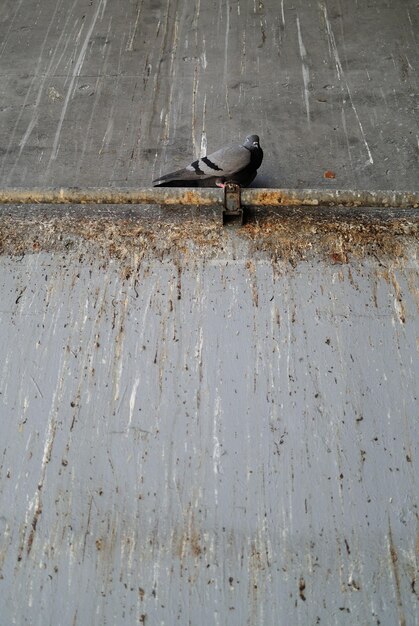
(233, 211)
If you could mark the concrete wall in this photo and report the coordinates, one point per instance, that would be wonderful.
(100, 92)
(205, 425)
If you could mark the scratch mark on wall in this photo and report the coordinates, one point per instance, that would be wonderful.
(9, 30)
(195, 84)
(108, 134)
(36, 386)
(227, 31)
(305, 70)
(412, 27)
(92, 118)
(130, 44)
(204, 132)
(172, 103)
(216, 447)
(370, 159)
(28, 131)
(75, 75)
(339, 70)
(132, 400)
(34, 119)
(345, 130)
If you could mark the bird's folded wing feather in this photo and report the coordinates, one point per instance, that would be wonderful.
(223, 163)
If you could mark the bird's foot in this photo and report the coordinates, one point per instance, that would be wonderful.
(220, 183)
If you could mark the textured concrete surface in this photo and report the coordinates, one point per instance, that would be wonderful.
(198, 425)
(204, 425)
(113, 93)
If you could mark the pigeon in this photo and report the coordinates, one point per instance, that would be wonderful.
(234, 163)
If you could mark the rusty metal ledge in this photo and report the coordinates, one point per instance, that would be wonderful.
(73, 195)
(329, 197)
(212, 197)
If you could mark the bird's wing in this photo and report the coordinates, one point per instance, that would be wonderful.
(223, 163)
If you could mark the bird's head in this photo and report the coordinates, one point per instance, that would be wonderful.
(252, 142)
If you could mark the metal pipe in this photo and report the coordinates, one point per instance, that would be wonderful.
(211, 196)
(329, 197)
(73, 195)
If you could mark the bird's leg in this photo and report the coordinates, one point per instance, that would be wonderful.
(220, 182)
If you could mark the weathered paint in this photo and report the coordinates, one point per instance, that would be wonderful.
(203, 425)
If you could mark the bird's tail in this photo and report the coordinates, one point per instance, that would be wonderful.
(183, 175)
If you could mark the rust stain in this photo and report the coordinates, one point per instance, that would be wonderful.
(329, 174)
(398, 300)
(268, 197)
(189, 542)
(195, 544)
(412, 282)
(250, 265)
(394, 564)
(34, 524)
(301, 588)
(339, 257)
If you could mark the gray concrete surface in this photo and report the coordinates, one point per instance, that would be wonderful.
(198, 425)
(204, 425)
(113, 93)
